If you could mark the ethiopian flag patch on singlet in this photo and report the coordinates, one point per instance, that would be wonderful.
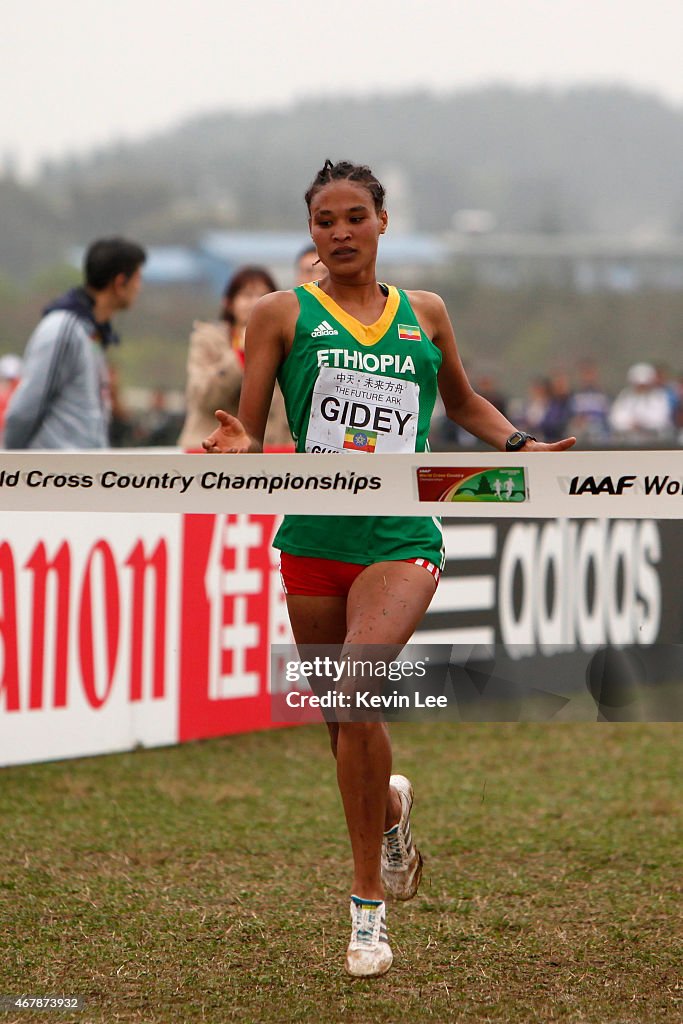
(360, 440)
(407, 333)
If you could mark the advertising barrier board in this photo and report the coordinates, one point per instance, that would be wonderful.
(140, 595)
(118, 630)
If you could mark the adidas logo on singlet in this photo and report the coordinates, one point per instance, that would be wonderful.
(323, 329)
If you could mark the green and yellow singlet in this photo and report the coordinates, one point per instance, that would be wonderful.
(352, 388)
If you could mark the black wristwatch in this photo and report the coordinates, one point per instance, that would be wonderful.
(517, 440)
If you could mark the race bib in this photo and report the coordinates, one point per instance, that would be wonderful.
(353, 411)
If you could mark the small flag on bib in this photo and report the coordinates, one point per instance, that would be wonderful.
(360, 440)
(406, 333)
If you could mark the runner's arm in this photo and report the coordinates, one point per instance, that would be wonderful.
(269, 332)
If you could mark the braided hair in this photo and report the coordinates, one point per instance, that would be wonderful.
(344, 170)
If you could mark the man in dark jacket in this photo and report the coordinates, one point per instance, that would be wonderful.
(63, 400)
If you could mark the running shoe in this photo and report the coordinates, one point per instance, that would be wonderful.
(401, 860)
(369, 953)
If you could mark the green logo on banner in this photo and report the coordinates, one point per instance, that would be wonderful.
(498, 484)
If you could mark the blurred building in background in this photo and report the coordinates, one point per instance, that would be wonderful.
(585, 263)
(218, 253)
(473, 253)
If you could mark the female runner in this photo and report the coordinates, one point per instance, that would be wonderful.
(362, 579)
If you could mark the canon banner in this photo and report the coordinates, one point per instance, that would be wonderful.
(118, 630)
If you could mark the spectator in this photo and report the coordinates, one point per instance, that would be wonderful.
(670, 386)
(589, 406)
(121, 422)
(557, 412)
(215, 363)
(158, 425)
(307, 265)
(63, 398)
(679, 406)
(642, 410)
(10, 374)
(536, 406)
(486, 385)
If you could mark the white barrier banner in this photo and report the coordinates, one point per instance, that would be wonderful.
(594, 485)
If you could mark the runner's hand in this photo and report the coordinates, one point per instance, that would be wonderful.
(555, 446)
(229, 437)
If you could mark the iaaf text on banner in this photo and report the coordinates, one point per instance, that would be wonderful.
(591, 485)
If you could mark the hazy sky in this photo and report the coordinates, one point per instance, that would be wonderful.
(78, 73)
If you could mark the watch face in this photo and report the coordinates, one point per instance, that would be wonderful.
(515, 440)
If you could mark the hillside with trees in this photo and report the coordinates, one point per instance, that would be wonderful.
(581, 160)
(585, 160)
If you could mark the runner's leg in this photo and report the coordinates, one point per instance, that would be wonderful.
(385, 605)
(318, 621)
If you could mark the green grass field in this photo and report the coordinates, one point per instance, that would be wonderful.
(209, 882)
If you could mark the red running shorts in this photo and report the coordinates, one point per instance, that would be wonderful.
(325, 577)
